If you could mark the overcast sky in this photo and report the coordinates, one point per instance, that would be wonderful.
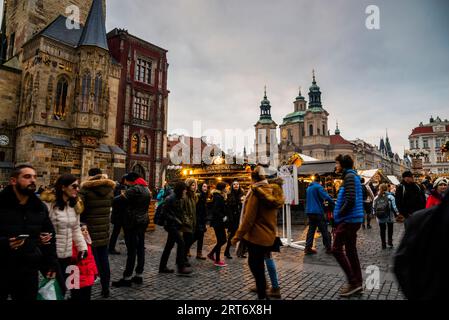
(222, 53)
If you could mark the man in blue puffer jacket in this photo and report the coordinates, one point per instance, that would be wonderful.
(348, 216)
(315, 197)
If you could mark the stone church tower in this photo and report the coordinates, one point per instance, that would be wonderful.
(316, 139)
(64, 87)
(266, 145)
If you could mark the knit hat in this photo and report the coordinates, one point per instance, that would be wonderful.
(440, 181)
(190, 181)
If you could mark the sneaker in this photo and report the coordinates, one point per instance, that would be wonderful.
(200, 257)
(384, 246)
(228, 256)
(242, 256)
(350, 289)
(166, 270)
(274, 293)
(122, 283)
(390, 245)
(310, 251)
(220, 264)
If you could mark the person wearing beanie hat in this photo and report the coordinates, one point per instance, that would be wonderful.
(409, 196)
(437, 193)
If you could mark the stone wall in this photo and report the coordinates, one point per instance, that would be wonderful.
(9, 94)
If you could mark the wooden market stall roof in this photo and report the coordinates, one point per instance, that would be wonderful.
(320, 167)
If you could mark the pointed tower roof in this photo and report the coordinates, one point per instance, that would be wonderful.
(299, 97)
(337, 131)
(388, 149)
(382, 146)
(94, 33)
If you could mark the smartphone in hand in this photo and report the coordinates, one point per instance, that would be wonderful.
(22, 237)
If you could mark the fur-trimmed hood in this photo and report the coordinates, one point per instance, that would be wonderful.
(271, 194)
(98, 181)
(222, 193)
(49, 197)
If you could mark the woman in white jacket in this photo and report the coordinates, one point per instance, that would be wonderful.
(65, 208)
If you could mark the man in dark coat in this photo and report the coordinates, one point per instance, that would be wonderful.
(23, 214)
(97, 194)
(409, 196)
(420, 267)
(135, 223)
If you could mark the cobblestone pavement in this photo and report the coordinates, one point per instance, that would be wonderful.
(316, 277)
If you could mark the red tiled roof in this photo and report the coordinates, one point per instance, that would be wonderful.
(338, 139)
(427, 129)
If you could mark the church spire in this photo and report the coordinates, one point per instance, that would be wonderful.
(94, 32)
(314, 94)
(265, 107)
(337, 131)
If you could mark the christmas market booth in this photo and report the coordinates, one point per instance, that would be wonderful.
(217, 171)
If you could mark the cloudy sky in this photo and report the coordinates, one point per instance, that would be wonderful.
(223, 52)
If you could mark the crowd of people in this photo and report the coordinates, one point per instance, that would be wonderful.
(67, 227)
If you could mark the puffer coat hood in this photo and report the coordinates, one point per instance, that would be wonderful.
(67, 225)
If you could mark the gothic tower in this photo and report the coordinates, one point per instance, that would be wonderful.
(25, 18)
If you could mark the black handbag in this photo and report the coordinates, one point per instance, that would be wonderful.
(276, 247)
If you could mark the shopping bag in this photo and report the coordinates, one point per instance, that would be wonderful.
(49, 290)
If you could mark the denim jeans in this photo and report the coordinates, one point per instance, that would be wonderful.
(271, 267)
(318, 221)
(346, 237)
(101, 256)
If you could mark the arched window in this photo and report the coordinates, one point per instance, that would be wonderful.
(311, 130)
(135, 144)
(98, 92)
(85, 92)
(144, 145)
(61, 98)
(324, 129)
(2, 156)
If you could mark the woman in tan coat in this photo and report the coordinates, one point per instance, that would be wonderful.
(259, 225)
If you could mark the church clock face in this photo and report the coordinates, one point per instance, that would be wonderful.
(4, 140)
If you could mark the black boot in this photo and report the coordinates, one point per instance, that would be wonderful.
(122, 283)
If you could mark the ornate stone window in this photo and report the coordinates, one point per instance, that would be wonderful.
(141, 108)
(61, 99)
(98, 92)
(143, 71)
(144, 145)
(85, 92)
(135, 143)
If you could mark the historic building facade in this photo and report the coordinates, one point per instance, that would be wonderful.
(59, 89)
(431, 137)
(142, 104)
(305, 131)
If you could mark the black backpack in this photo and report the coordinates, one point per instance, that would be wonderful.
(160, 216)
(382, 207)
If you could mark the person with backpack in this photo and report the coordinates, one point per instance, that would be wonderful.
(419, 264)
(135, 223)
(368, 198)
(409, 196)
(172, 213)
(437, 193)
(385, 210)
